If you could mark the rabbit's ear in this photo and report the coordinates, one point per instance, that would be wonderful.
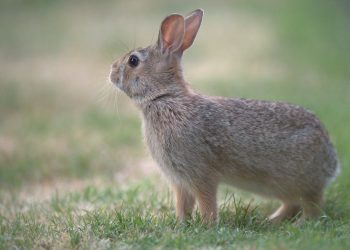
(192, 23)
(171, 33)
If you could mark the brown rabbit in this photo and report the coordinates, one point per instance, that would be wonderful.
(274, 149)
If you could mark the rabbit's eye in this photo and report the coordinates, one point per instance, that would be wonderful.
(133, 61)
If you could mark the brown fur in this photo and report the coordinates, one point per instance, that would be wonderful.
(273, 149)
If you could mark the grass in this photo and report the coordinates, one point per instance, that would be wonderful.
(137, 217)
(73, 169)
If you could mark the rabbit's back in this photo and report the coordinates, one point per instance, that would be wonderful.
(242, 141)
(281, 144)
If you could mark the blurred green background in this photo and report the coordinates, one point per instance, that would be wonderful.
(61, 122)
(60, 119)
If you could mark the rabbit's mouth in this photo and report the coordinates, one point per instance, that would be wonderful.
(116, 77)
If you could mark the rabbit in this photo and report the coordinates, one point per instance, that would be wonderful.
(274, 149)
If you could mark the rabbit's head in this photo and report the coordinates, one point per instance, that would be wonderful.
(146, 74)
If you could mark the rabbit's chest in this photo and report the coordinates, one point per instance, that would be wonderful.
(161, 147)
(168, 150)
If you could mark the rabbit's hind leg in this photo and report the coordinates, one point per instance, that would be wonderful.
(312, 208)
(312, 205)
(206, 196)
(285, 212)
(184, 203)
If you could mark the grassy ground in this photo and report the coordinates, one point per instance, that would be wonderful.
(73, 170)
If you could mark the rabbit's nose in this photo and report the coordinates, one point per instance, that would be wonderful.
(115, 65)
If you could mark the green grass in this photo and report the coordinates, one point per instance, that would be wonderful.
(138, 217)
(73, 168)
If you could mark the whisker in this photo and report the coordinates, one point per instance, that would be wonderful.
(124, 45)
(134, 47)
(102, 92)
(103, 88)
(115, 102)
(152, 39)
(110, 96)
(116, 98)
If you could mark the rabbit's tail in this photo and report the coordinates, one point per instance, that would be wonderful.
(337, 171)
(336, 163)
